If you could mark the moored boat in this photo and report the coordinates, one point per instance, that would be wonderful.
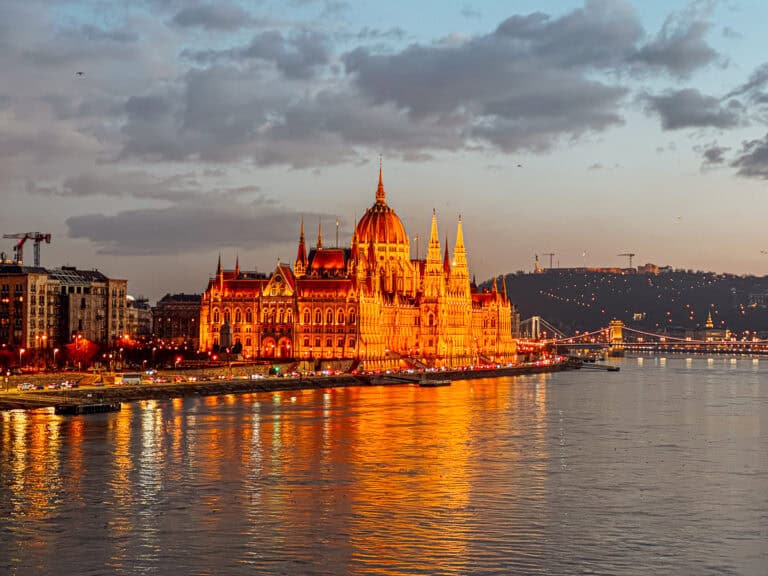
(424, 383)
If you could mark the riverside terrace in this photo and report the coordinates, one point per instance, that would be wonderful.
(209, 384)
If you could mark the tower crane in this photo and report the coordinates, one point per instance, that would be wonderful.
(36, 237)
(629, 255)
(551, 255)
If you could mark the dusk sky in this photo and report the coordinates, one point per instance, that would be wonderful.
(587, 129)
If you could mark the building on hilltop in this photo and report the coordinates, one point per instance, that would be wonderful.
(369, 303)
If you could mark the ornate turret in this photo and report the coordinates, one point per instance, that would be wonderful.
(709, 325)
(220, 274)
(319, 235)
(446, 259)
(504, 289)
(300, 266)
(434, 283)
(459, 266)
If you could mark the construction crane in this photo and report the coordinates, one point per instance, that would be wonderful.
(629, 255)
(551, 255)
(36, 237)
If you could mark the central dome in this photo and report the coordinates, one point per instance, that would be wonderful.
(380, 223)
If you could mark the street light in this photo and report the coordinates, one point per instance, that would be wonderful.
(55, 351)
(21, 353)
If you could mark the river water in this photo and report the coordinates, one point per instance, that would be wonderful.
(661, 468)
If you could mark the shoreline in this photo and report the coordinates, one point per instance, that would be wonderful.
(47, 399)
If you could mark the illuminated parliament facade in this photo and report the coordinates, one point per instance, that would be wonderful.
(371, 304)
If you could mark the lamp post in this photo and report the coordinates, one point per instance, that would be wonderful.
(21, 353)
(55, 351)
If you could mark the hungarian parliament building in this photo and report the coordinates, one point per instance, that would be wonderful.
(371, 304)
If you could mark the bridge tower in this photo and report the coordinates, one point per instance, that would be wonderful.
(616, 338)
(535, 327)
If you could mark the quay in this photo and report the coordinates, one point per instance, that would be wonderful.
(74, 397)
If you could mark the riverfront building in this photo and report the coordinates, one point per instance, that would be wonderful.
(41, 308)
(370, 304)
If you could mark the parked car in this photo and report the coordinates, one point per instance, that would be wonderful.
(24, 386)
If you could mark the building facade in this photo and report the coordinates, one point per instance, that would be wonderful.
(139, 318)
(371, 303)
(175, 319)
(45, 308)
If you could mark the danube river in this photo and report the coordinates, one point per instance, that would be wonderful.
(661, 468)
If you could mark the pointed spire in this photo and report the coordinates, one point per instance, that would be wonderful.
(319, 235)
(301, 256)
(504, 288)
(380, 195)
(434, 276)
(220, 275)
(460, 265)
(459, 237)
(446, 258)
(237, 265)
(494, 288)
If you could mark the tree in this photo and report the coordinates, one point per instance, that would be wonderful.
(81, 352)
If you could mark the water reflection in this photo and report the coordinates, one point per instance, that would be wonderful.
(541, 474)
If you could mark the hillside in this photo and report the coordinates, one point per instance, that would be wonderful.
(676, 300)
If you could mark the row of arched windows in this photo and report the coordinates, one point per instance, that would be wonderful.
(340, 317)
(283, 316)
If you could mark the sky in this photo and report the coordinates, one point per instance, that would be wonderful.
(150, 136)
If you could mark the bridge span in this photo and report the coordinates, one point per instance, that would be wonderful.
(618, 338)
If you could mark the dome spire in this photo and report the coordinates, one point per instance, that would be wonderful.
(380, 195)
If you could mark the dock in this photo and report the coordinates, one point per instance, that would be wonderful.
(76, 409)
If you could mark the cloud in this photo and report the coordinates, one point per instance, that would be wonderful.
(298, 55)
(222, 16)
(468, 11)
(753, 87)
(714, 154)
(680, 47)
(689, 108)
(258, 118)
(177, 229)
(369, 34)
(752, 159)
(523, 86)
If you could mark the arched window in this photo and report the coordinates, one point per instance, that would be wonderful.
(247, 341)
(288, 316)
(280, 316)
(238, 316)
(226, 316)
(340, 317)
(352, 317)
(216, 316)
(430, 320)
(248, 316)
(318, 317)
(306, 317)
(329, 316)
